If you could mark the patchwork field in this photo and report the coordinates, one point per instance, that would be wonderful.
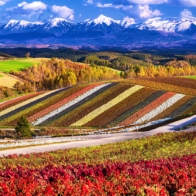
(98, 105)
(18, 64)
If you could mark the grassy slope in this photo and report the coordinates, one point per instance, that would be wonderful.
(18, 64)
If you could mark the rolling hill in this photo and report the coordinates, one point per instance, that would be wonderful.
(100, 105)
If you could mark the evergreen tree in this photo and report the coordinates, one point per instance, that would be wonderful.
(23, 127)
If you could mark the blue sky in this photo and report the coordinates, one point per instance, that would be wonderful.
(80, 10)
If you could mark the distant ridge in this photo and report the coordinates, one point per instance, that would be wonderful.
(102, 31)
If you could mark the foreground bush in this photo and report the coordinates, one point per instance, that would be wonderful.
(154, 177)
(163, 164)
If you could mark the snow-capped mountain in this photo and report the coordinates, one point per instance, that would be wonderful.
(101, 31)
(127, 22)
(57, 22)
(58, 26)
(16, 25)
(103, 20)
(101, 26)
(168, 25)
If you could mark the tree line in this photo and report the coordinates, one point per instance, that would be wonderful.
(58, 73)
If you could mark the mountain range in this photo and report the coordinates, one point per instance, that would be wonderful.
(102, 32)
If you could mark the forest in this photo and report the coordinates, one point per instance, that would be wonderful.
(79, 66)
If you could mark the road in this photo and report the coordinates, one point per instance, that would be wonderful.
(95, 140)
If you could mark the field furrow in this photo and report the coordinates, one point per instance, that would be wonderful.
(106, 106)
(91, 105)
(168, 103)
(40, 106)
(118, 109)
(143, 102)
(12, 102)
(171, 109)
(140, 113)
(75, 92)
(183, 108)
(61, 111)
(28, 103)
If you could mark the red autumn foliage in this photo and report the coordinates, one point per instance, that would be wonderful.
(176, 176)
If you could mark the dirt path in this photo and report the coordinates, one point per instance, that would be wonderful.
(95, 140)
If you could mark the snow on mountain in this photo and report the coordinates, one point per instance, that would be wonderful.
(100, 30)
(127, 22)
(57, 22)
(158, 24)
(186, 23)
(16, 24)
(11, 23)
(103, 20)
(171, 25)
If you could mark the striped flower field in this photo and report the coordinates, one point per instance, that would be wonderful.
(97, 105)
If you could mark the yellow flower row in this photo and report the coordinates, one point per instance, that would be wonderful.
(24, 103)
(107, 106)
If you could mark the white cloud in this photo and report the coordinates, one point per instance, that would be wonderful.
(22, 4)
(63, 12)
(107, 5)
(25, 9)
(186, 14)
(144, 11)
(141, 2)
(141, 11)
(36, 5)
(188, 3)
(89, 2)
(3, 2)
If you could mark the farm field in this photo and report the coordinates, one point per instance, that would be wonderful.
(7, 80)
(18, 64)
(99, 105)
(162, 164)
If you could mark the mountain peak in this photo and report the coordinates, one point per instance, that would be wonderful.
(168, 24)
(104, 19)
(11, 23)
(20, 24)
(55, 22)
(126, 22)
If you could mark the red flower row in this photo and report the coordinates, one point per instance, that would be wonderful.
(162, 177)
